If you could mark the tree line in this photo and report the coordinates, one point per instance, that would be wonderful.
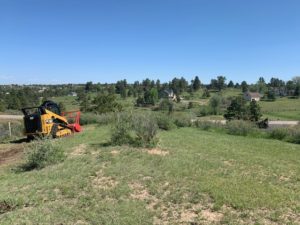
(146, 92)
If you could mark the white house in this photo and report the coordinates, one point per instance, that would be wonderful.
(250, 96)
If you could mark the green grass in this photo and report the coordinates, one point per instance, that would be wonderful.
(234, 179)
(69, 102)
(281, 109)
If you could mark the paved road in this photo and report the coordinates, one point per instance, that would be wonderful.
(281, 122)
(11, 117)
(271, 123)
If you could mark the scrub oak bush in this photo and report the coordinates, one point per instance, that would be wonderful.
(145, 128)
(204, 125)
(164, 122)
(122, 129)
(182, 120)
(43, 153)
(135, 129)
(294, 135)
(279, 133)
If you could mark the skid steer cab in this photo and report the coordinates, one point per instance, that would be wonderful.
(48, 121)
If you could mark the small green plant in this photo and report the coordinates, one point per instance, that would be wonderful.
(43, 153)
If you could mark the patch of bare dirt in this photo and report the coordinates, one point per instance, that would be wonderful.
(101, 181)
(228, 163)
(79, 150)
(168, 213)
(139, 192)
(81, 222)
(10, 153)
(211, 216)
(188, 216)
(114, 152)
(157, 151)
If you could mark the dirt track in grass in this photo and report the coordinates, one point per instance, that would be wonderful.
(10, 153)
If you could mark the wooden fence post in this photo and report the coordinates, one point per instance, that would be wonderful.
(9, 128)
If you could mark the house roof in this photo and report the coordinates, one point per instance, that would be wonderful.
(254, 94)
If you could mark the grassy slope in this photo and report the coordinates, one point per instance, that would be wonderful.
(231, 179)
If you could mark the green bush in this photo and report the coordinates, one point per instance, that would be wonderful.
(164, 122)
(204, 125)
(135, 129)
(145, 128)
(294, 135)
(121, 132)
(279, 133)
(205, 111)
(43, 153)
(191, 105)
(182, 120)
(240, 127)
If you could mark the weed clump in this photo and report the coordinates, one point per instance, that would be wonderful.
(41, 154)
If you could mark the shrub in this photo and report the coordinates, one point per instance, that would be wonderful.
(182, 120)
(294, 135)
(43, 153)
(145, 127)
(278, 133)
(135, 129)
(240, 127)
(166, 105)
(191, 105)
(104, 103)
(203, 125)
(164, 122)
(121, 130)
(205, 111)
(88, 118)
(214, 104)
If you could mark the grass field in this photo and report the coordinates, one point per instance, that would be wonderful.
(281, 109)
(192, 177)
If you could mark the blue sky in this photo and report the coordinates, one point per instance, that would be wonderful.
(72, 41)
